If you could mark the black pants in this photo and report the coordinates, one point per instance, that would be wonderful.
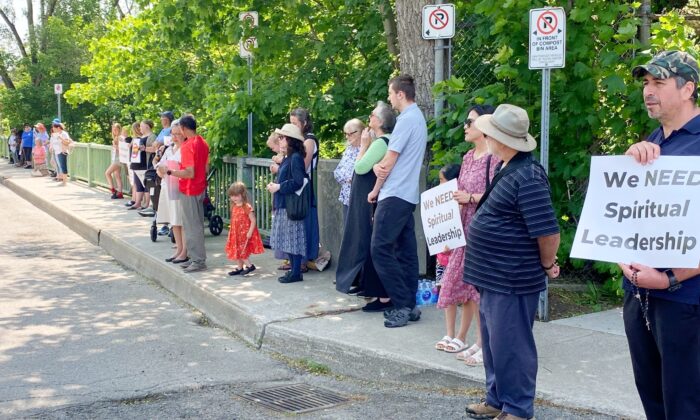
(665, 360)
(27, 155)
(394, 250)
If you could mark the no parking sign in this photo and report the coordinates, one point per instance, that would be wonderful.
(547, 38)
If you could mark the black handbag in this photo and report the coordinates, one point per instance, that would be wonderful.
(298, 205)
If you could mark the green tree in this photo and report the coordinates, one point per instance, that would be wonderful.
(596, 107)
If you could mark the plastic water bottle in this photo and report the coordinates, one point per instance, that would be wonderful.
(427, 294)
(419, 295)
(435, 295)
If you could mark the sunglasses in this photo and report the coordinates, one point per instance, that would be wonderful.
(468, 123)
(350, 134)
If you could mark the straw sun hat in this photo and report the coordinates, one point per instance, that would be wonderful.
(508, 125)
(290, 130)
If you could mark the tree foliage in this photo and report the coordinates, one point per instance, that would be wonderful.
(596, 107)
(328, 55)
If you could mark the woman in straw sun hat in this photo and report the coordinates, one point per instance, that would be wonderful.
(288, 235)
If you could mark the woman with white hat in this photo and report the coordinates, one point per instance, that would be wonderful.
(288, 235)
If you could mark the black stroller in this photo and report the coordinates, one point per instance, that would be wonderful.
(152, 183)
(214, 221)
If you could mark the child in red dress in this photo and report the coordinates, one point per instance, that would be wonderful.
(243, 236)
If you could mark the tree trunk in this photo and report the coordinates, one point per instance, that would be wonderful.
(417, 57)
(32, 31)
(389, 21)
(5, 77)
(15, 34)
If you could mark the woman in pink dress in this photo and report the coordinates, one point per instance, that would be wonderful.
(477, 169)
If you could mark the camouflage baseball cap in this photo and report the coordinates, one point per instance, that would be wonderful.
(670, 63)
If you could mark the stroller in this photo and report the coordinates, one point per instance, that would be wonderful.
(214, 221)
(152, 182)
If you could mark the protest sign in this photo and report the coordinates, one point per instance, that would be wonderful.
(442, 223)
(124, 152)
(135, 149)
(641, 213)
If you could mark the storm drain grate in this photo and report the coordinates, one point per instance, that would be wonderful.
(295, 398)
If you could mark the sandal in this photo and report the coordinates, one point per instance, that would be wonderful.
(285, 267)
(463, 356)
(456, 346)
(475, 359)
(444, 341)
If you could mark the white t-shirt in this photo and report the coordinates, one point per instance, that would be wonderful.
(56, 139)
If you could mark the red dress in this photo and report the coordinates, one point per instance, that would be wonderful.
(237, 247)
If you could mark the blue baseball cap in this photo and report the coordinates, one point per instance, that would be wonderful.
(56, 121)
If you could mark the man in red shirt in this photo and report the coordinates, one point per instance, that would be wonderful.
(193, 180)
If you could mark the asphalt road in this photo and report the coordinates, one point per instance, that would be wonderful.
(81, 337)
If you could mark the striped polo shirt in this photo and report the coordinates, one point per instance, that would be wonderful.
(502, 254)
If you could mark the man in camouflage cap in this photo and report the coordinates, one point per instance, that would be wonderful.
(662, 305)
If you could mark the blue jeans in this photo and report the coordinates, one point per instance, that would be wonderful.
(508, 346)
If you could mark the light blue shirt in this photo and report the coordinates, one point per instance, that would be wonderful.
(161, 136)
(408, 139)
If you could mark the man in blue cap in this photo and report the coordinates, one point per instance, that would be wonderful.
(662, 304)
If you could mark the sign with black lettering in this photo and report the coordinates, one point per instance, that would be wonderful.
(641, 213)
(442, 223)
(547, 38)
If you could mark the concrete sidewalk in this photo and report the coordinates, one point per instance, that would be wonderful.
(583, 362)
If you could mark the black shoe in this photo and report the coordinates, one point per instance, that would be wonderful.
(290, 278)
(248, 270)
(354, 290)
(130, 203)
(377, 306)
(114, 195)
(181, 261)
(413, 316)
(235, 272)
(171, 259)
(397, 318)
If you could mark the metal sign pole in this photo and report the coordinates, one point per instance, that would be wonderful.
(543, 306)
(58, 98)
(250, 114)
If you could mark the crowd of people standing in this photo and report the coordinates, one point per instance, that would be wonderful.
(506, 211)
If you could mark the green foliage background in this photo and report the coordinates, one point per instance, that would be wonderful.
(596, 107)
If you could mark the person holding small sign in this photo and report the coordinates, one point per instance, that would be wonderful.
(511, 249)
(662, 305)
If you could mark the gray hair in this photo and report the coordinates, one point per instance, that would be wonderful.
(386, 115)
(681, 81)
(355, 124)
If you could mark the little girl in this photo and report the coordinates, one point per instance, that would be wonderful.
(243, 236)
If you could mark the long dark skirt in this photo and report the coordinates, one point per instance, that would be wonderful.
(354, 262)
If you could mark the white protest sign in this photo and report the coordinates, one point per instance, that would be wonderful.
(641, 213)
(442, 223)
(124, 152)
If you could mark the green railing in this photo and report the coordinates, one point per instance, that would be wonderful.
(4, 148)
(87, 162)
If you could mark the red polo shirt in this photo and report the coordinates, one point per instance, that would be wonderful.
(194, 153)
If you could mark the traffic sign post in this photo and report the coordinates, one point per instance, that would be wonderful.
(246, 46)
(438, 21)
(58, 90)
(547, 51)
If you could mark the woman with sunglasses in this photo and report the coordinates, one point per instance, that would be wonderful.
(478, 167)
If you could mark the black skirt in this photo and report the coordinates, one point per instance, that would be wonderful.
(355, 265)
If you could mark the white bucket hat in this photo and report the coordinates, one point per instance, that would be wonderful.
(290, 130)
(508, 125)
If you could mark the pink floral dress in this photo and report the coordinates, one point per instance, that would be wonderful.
(472, 179)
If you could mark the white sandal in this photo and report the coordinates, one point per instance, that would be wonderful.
(463, 356)
(475, 359)
(444, 342)
(456, 346)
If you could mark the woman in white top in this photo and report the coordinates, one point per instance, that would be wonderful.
(168, 202)
(61, 142)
